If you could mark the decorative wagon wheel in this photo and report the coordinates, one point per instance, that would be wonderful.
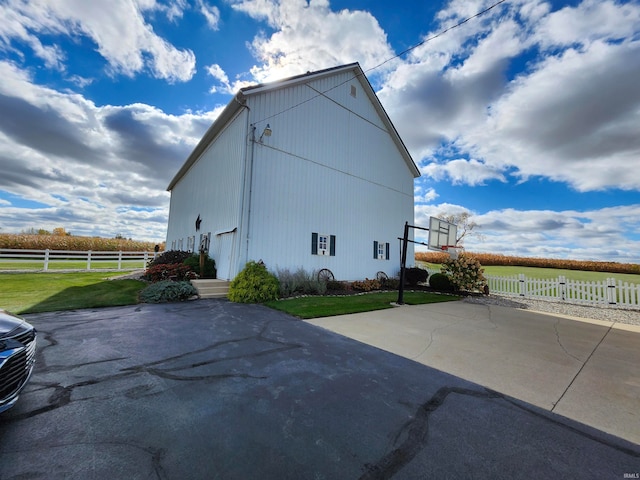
(382, 277)
(325, 275)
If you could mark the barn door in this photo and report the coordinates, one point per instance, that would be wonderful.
(225, 243)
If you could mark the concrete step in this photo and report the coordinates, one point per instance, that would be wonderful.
(211, 287)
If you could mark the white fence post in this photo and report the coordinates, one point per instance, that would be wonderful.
(120, 260)
(46, 259)
(146, 258)
(522, 285)
(89, 260)
(562, 288)
(611, 291)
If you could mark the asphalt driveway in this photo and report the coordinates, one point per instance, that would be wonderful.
(212, 389)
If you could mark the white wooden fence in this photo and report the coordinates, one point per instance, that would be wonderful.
(609, 292)
(14, 259)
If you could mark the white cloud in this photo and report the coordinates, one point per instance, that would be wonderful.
(219, 74)
(310, 36)
(462, 171)
(424, 195)
(589, 21)
(574, 119)
(99, 169)
(607, 233)
(122, 35)
(211, 14)
(174, 10)
(571, 115)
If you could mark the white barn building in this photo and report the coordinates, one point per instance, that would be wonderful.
(304, 172)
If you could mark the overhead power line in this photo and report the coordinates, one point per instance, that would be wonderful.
(439, 34)
(413, 47)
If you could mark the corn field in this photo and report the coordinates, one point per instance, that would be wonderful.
(69, 242)
(491, 259)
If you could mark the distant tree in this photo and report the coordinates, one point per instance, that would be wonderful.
(42, 231)
(465, 225)
(59, 232)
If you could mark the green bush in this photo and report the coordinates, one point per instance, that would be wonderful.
(300, 282)
(254, 284)
(465, 273)
(415, 275)
(167, 291)
(209, 266)
(441, 282)
(170, 256)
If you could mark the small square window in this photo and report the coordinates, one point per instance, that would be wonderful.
(381, 250)
(323, 244)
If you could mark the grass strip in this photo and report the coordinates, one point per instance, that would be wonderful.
(49, 292)
(546, 273)
(37, 265)
(319, 306)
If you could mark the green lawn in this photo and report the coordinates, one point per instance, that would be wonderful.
(318, 306)
(45, 292)
(70, 264)
(48, 292)
(535, 272)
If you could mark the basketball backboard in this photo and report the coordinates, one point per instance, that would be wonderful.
(441, 234)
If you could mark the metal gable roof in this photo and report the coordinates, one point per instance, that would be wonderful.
(238, 102)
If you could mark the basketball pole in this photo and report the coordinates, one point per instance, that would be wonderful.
(403, 263)
(403, 260)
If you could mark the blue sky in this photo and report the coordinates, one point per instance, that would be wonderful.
(527, 117)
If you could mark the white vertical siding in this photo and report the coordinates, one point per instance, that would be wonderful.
(330, 168)
(212, 188)
(287, 208)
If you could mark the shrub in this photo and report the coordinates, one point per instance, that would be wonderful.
(391, 283)
(167, 291)
(336, 286)
(300, 282)
(440, 282)
(170, 256)
(193, 262)
(254, 284)
(171, 271)
(415, 275)
(465, 273)
(366, 285)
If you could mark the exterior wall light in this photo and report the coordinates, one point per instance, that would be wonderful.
(265, 133)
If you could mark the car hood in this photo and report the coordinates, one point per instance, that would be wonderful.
(9, 322)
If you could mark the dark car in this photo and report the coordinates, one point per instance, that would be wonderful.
(17, 356)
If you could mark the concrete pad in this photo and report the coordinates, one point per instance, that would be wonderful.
(590, 367)
(606, 393)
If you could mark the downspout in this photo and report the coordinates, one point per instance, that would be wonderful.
(253, 146)
(243, 219)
